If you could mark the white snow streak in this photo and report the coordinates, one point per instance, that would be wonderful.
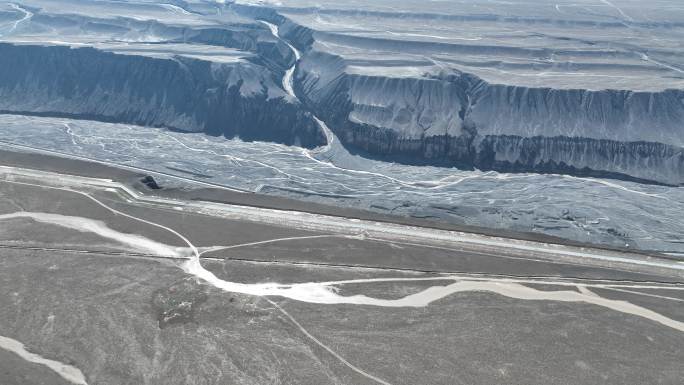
(624, 15)
(68, 372)
(325, 293)
(289, 74)
(86, 225)
(27, 15)
(175, 9)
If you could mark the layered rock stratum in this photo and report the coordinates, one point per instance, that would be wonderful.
(581, 88)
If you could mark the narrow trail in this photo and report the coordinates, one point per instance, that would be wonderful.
(648, 294)
(324, 346)
(219, 248)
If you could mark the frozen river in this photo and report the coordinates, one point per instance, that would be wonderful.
(584, 209)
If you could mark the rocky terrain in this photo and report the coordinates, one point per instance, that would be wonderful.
(527, 86)
(153, 65)
(582, 88)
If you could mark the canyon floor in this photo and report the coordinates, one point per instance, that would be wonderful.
(106, 283)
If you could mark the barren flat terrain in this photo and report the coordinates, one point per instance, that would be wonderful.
(113, 286)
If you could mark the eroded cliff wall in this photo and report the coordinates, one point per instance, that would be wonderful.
(230, 99)
(462, 120)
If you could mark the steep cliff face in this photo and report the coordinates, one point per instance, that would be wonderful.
(205, 69)
(231, 99)
(521, 89)
(636, 161)
(605, 114)
(462, 120)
